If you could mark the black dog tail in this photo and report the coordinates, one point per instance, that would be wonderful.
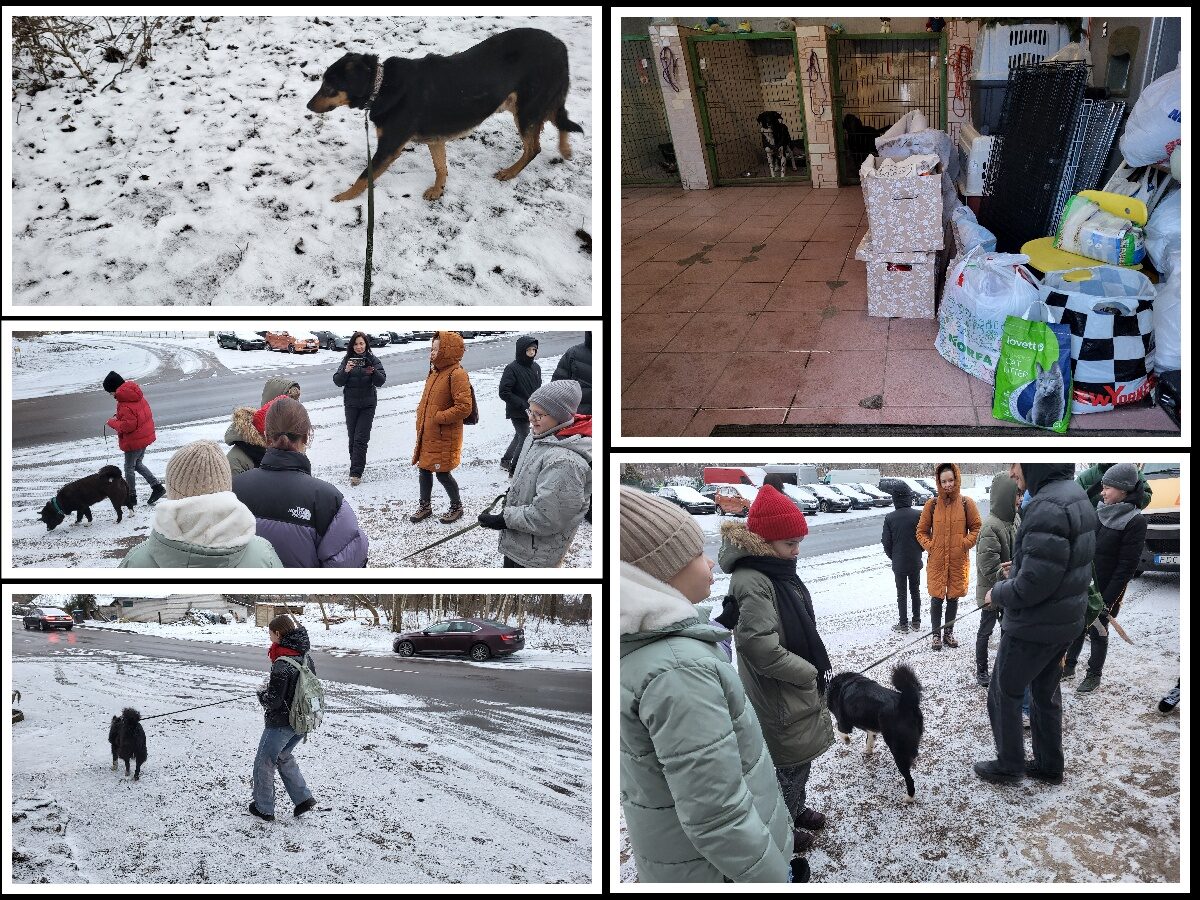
(131, 715)
(111, 472)
(562, 123)
(905, 681)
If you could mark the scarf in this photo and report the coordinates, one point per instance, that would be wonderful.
(1117, 515)
(253, 451)
(277, 650)
(798, 624)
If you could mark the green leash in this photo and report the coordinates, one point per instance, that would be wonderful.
(455, 534)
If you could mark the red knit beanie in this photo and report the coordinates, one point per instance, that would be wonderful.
(260, 417)
(773, 517)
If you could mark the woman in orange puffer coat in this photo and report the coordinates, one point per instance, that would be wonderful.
(446, 401)
(948, 529)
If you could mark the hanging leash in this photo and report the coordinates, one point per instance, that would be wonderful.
(815, 81)
(370, 183)
(455, 534)
(670, 66)
(922, 637)
(202, 706)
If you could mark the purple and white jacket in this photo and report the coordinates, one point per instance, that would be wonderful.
(307, 520)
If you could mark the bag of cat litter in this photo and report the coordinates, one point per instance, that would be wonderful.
(1110, 312)
(1033, 378)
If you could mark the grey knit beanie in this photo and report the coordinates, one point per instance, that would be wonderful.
(198, 468)
(560, 399)
(1122, 476)
(656, 536)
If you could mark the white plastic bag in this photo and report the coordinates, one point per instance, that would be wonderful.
(968, 233)
(982, 290)
(1164, 233)
(1168, 321)
(1152, 131)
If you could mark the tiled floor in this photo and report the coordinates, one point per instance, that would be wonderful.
(745, 305)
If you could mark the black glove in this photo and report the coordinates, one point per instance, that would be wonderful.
(492, 520)
(729, 615)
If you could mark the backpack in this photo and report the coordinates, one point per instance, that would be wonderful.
(966, 518)
(473, 416)
(308, 703)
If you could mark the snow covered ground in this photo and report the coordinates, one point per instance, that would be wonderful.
(548, 645)
(383, 502)
(1116, 816)
(64, 363)
(203, 180)
(408, 791)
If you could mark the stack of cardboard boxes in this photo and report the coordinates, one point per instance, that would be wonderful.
(903, 245)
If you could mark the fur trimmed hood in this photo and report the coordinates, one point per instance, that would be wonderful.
(937, 476)
(207, 520)
(241, 428)
(737, 541)
(648, 604)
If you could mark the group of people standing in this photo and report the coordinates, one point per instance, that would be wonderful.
(715, 760)
(259, 504)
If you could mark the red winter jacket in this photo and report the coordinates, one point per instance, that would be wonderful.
(579, 425)
(133, 423)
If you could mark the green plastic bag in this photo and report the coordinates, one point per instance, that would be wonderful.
(1033, 377)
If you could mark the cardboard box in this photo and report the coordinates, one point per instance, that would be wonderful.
(900, 284)
(903, 214)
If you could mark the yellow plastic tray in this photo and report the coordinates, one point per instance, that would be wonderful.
(1045, 257)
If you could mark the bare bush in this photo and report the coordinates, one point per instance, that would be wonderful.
(47, 49)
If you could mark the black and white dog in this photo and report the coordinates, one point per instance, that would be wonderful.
(778, 143)
(858, 702)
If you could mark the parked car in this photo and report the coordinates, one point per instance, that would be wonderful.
(424, 335)
(287, 342)
(734, 499)
(689, 498)
(380, 338)
(330, 340)
(239, 340)
(928, 484)
(479, 639)
(858, 500)
(881, 498)
(400, 337)
(710, 489)
(831, 501)
(46, 617)
(806, 500)
(1163, 551)
(919, 491)
(21, 609)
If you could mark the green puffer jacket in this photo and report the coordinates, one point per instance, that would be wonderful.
(698, 787)
(210, 531)
(997, 536)
(781, 685)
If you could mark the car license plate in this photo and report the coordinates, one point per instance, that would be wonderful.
(1166, 559)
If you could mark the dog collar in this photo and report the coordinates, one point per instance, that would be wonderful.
(58, 508)
(378, 84)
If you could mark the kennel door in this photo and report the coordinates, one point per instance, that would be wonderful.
(647, 154)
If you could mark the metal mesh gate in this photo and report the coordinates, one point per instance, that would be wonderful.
(740, 76)
(876, 80)
(647, 156)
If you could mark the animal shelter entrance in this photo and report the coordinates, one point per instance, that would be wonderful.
(740, 78)
(877, 78)
(647, 154)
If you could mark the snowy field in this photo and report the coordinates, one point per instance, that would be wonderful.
(78, 361)
(383, 502)
(548, 645)
(407, 791)
(203, 180)
(1115, 817)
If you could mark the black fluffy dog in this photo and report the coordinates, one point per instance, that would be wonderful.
(438, 98)
(78, 497)
(860, 139)
(858, 702)
(128, 740)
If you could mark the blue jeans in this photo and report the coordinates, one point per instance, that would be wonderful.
(275, 752)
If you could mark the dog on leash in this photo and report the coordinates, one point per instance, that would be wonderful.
(128, 740)
(78, 497)
(858, 702)
(439, 98)
(778, 143)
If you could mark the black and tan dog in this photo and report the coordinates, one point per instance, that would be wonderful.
(78, 497)
(439, 98)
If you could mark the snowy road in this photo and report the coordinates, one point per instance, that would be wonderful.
(410, 789)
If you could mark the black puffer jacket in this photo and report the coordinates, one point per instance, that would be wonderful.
(521, 378)
(1118, 552)
(277, 698)
(900, 535)
(576, 365)
(358, 385)
(1045, 595)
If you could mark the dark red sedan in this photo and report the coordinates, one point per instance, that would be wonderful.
(46, 618)
(478, 638)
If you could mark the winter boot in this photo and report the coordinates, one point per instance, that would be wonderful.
(1032, 770)
(131, 500)
(506, 463)
(802, 841)
(424, 511)
(1068, 672)
(254, 812)
(156, 494)
(937, 642)
(453, 514)
(810, 819)
(302, 808)
(1090, 683)
(901, 627)
(948, 638)
(981, 676)
(915, 624)
(801, 873)
(1169, 702)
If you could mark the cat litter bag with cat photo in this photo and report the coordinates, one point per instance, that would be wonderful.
(1033, 377)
